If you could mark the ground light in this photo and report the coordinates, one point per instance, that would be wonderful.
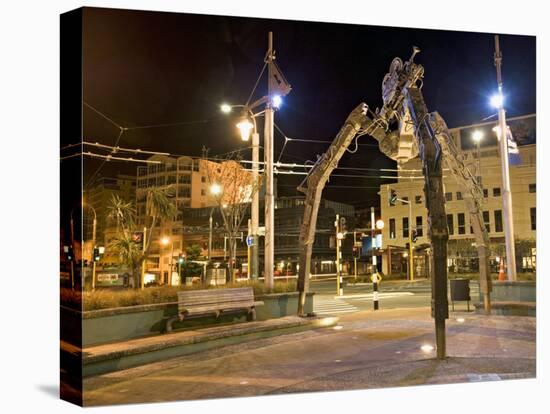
(460, 320)
(427, 348)
(337, 327)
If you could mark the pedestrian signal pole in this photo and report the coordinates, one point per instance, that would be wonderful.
(339, 237)
(374, 267)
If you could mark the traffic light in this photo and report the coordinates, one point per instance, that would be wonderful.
(181, 259)
(68, 250)
(97, 256)
(414, 236)
(343, 225)
(393, 197)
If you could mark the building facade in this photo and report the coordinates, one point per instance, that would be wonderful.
(188, 182)
(99, 197)
(484, 161)
(288, 219)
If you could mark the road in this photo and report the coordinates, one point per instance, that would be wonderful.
(392, 295)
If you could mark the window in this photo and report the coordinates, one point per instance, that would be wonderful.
(486, 221)
(461, 223)
(532, 188)
(419, 226)
(405, 200)
(533, 218)
(448, 196)
(418, 199)
(171, 179)
(392, 228)
(458, 195)
(160, 181)
(405, 227)
(498, 220)
(450, 224)
(203, 179)
(485, 193)
(203, 192)
(496, 192)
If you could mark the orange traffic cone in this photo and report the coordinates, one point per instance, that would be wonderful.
(501, 275)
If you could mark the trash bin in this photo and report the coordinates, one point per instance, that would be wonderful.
(460, 291)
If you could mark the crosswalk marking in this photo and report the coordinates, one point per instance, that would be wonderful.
(331, 306)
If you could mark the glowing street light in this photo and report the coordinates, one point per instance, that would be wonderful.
(225, 108)
(245, 127)
(497, 100)
(379, 224)
(216, 189)
(276, 101)
(477, 136)
(164, 241)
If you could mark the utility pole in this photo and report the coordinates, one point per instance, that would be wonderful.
(93, 248)
(374, 267)
(339, 236)
(411, 250)
(354, 257)
(72, 246)
(269, 239)
(506, 193)
(209, 235)
(142, 281)
(255, 214)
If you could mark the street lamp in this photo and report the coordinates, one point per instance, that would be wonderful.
(94, 225)
(216, 189)
(497, 101)
(164, 241)
(477, 136)
(225, 108)
(278, 87)
(245, 127)
(379, 224)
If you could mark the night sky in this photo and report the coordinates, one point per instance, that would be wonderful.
(149, 68)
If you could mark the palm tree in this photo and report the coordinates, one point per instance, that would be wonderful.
(158, 206)
(130, 253)
(123, 212)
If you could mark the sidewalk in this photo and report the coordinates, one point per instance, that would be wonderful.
(100, 359)
(368, 349)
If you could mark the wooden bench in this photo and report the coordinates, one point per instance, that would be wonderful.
(194, 303)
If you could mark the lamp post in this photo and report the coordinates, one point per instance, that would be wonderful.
(498, 102)
(477, 136)
(277, 88)
(94, 226)
(165, 241)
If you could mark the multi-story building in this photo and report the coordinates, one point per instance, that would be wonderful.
(289, 213)
(484, 161)
(99, 197)
(188, 180)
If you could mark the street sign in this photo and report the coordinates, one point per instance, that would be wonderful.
(261, 231)
(249, 240)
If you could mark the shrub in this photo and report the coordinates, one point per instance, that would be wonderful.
(110, 298)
